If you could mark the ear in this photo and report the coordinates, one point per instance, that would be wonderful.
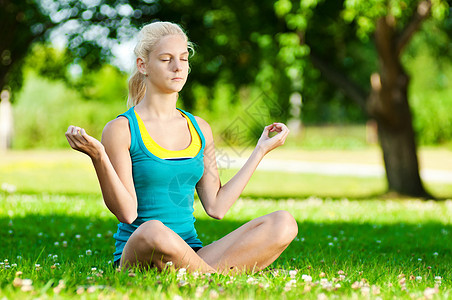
(141, 66)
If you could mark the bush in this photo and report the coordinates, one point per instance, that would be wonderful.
(45, 109)
(431, 100)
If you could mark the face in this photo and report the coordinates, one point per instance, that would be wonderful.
(167, 68)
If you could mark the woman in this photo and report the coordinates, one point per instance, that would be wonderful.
(153, 156)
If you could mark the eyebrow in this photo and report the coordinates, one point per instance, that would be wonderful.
(170, 54)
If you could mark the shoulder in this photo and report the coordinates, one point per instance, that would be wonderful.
(204, 126)
(117, 126)
(117, 131)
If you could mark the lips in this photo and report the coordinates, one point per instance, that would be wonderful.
(177, 79)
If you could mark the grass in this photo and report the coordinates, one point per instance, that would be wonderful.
(56, 231)
(53, 239)
(71, 173)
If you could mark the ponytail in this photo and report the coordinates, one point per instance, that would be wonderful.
(137, 89)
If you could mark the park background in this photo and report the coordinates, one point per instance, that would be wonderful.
(319, 66)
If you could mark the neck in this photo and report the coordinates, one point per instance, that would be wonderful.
(158, 106)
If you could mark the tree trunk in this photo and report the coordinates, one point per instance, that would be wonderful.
(388, 104)
(399, 152)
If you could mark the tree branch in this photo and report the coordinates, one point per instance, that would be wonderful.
(340, 80)
(421, 13)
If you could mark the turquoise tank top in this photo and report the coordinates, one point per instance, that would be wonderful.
(165, 188)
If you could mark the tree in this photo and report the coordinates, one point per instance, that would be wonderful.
(388, 26)
(90, 28)
(228, 32)
(247, 42)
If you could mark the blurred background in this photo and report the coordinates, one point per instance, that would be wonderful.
(358, 82)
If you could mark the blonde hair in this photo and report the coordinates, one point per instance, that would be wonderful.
(148, 37)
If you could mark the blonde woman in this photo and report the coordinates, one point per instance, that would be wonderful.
(152, 158)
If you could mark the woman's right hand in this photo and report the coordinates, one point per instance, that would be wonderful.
(81, 141)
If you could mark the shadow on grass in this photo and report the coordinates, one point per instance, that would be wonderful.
(319, 247)
(256, 196)
(287, 196)
(380, 195)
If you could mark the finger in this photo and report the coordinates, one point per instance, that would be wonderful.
(281, 135)
(273, 127)
(266, 130)
(74, 130)
(78, 141)
(77, 137)
(283, 138)
(284, 131)
(284, 135)
(284, 126)
(279, 124)
(269, 127)
(73, 145)
(72, 142)
(278, 129)
(84, 135)
(281, 127)
(69, 129)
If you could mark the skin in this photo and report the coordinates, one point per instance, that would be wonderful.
(251, 247)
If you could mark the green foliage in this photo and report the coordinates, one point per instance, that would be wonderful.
(283, 7)
(274, 40)
(365, 13)
(427, 61)
(330, 35)
(440, 9)
(48, 62)
(431, 100)
(102, 84)
(222, 29)
(107, 85)
(45, 109)
(22, 23)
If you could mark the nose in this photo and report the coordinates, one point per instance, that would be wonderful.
(177, 65)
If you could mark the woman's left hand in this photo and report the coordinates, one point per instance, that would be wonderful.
(267, 143)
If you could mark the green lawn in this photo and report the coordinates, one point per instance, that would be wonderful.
(71, 173)
(56, 231)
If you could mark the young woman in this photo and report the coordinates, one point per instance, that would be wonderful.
(152, 158)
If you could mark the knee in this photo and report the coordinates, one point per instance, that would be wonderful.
(284, 225)
(152, 234)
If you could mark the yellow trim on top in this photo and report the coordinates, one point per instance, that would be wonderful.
(191, 151)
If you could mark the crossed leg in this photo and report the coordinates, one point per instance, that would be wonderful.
(251, 247)
(153, 244)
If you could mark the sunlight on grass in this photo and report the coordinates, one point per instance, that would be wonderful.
(57, 235)
(344, 249)
(69, 172)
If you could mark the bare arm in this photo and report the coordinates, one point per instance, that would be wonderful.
(217, 199)
(112, 162)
